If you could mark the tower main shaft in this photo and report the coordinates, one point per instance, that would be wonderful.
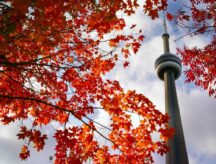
(178, 152)
(168, 67)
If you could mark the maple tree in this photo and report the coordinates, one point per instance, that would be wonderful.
(199, 18)
(52, 68)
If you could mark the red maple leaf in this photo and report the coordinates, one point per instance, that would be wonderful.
(169, 16)
(126, 64)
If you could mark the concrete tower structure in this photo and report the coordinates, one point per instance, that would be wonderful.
(168, 67)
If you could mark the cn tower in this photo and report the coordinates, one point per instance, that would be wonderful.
(168, 67)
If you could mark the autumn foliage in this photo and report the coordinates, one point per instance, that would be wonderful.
(52, 67)
(199, 18)
(54, 56)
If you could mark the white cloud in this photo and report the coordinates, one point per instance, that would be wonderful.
(198, 111)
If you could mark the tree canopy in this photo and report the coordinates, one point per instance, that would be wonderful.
(53, 59)
(199, 18)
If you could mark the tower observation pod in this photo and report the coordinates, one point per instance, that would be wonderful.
(168, 67)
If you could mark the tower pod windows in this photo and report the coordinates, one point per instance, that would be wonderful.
(168, 62)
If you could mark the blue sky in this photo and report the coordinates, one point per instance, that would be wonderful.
(197, 109)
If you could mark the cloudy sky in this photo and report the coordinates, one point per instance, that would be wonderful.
(198, 110)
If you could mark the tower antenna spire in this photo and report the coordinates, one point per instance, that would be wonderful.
(164, 24)
(165, 36)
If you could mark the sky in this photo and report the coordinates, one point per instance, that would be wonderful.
(198, 110)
